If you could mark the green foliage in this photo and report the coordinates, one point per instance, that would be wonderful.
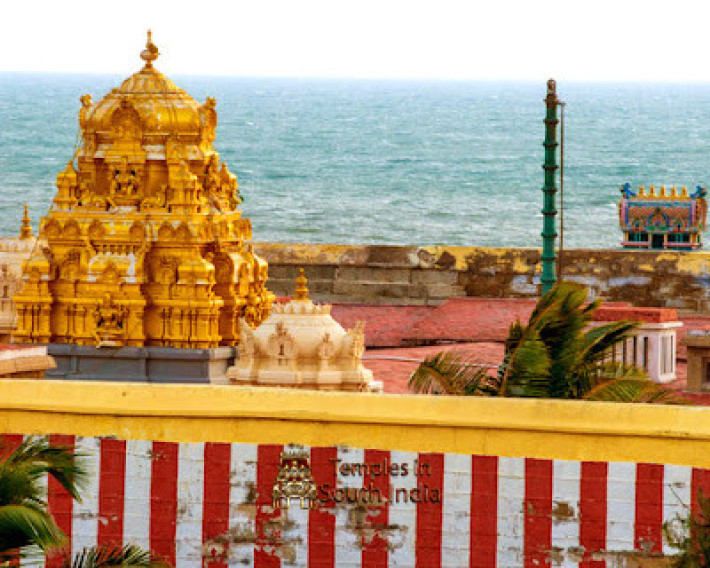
(633, 390)
(24, 520)
(130, 556)
(25, 523)
(556, 355)
(450, 373)
(691, 536)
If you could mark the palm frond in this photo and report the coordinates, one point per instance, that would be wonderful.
(597, 342)
(37, 457)
(448, 372)
(18, 486)
(527, 370)
(634, 390)
(129, 556)
(22, 526)
(554, 321)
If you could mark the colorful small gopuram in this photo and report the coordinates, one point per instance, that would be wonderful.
(662, 219)
(145, 243)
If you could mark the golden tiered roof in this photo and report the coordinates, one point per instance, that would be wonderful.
(146, 244)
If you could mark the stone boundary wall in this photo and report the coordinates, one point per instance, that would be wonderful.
(429, 275)
(189, 471)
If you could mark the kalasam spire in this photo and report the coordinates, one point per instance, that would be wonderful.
(150, 53)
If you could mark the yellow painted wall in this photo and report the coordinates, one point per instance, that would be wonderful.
(506, 427)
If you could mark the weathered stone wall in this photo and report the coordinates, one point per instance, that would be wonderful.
(429, 275)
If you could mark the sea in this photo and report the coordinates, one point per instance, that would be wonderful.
(393, 162)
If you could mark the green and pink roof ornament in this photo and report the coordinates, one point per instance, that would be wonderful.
(663, 218)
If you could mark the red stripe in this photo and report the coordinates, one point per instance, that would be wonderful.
(268, 534)
(538, 512)
(648, 533)
(592, 512)
(699, 484)
(59, 501)
(321, 521)
(430, 482)
(215, 511)
(111, 492)
(484, 511)
(374, 544)
(163, 499)
(10, 442)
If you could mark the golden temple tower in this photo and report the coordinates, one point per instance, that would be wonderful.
(146, 245)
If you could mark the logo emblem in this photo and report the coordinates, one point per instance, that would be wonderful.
(294, 481)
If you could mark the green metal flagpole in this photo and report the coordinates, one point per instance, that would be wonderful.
(548, 210)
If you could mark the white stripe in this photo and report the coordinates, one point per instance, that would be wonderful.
(621, 506)
(511, 517)
(190, 495)
(565, 507)
(676, 499)
(85, 515)
(136, 512)
(348, 551)
(296, 531)
(242, 494)
(403, 513)
(456, 511)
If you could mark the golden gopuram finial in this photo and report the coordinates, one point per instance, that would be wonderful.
(26, 229)
(301, 287)
(150, 53)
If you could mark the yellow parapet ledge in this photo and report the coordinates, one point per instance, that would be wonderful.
(547, 429)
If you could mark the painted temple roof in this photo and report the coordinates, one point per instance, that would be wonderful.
(663, 210)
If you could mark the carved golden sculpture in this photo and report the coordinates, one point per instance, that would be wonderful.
(145, 243)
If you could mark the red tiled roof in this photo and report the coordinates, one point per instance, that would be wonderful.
(481, 319)
(470, 319)
(385, 326)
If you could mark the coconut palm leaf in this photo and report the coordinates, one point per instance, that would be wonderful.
(23, 525)
(129, 556)
(18, 486)
(527, 370)
(24, 520)
(634, 390)
(449, 373)
(597, 342)
(36, 457)
(524, 343)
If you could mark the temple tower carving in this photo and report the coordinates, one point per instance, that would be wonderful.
(145, 243)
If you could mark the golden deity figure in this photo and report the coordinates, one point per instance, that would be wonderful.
(145, 244)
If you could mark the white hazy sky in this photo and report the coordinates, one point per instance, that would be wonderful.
(615, 40)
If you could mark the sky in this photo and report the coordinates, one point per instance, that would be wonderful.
(599, 40)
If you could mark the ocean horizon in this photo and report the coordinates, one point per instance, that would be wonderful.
(394, 162)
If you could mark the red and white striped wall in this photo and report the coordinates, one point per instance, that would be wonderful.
(209, 505)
